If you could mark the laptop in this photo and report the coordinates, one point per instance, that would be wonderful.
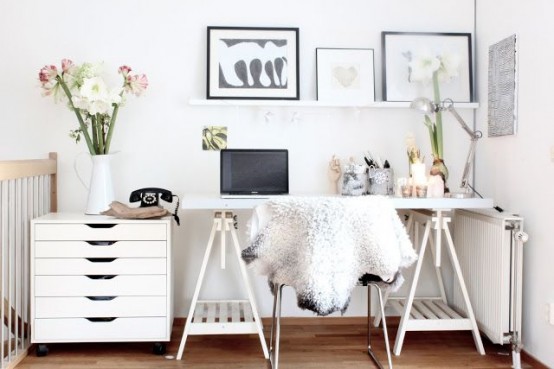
(254, 173)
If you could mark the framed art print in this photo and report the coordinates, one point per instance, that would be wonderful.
(409, 58)
(345, 75)
(253, 63)
(502, 84)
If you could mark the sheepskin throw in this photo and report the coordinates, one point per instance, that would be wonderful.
(321, 246)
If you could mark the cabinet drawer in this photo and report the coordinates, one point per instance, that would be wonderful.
(100, 249)
(100, 232)
(104, 306)
(121, 285)
(100, 266)
(119, 329)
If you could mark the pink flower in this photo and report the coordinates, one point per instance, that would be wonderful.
(66, 65)
(124, 69)
(136, 84)
(47, 74)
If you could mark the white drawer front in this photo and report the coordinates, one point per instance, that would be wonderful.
(100, 266)
(92, 232)
(83, 330)
(121, 306)
(73, 249)
(122, 285)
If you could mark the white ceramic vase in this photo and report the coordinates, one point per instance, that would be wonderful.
(100, 189)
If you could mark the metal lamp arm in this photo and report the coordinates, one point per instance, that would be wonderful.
(474, 135)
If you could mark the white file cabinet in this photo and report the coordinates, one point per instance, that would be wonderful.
(100, 279)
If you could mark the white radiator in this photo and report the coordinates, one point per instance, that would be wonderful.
(490, 249)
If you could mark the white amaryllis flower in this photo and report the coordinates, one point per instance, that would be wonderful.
(422, 67)
(450, 66)
(95, 97)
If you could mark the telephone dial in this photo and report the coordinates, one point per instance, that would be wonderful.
(150, 196)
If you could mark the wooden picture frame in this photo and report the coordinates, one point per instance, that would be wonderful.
(253, 63)
(345, 75)
(399, 48)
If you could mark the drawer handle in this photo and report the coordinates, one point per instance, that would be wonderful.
(101, 298)
(101, 225)
(101, 320)
(101, 260)
(100, 243)
(105, 276)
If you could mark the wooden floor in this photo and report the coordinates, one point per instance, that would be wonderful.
(324, 346)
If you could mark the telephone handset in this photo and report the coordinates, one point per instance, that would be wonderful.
(150, 196)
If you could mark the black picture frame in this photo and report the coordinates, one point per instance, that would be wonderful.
(253, 63)
(399, 47)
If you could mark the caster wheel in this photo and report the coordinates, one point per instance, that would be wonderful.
(159, 348)
(41, 350)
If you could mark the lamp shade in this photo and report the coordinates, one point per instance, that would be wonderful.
(423, 105)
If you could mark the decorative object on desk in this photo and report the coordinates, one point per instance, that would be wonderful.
(214, 138)
(95, 105)
(427, 107)
(345, 75)
(380, 181)
(353, 179)
(503, 87)
(414, 154)
(435, 186)
(335, 172)
(421, 190)
(253, 63)
(426, 52)
(419, 178)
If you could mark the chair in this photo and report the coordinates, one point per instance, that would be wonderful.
(275, 334)
(320, 247)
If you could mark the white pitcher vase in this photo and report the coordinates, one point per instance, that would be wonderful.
(100, 189)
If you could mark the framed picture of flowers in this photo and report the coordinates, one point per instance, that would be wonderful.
(253, 63)
(420, 64)
(345, 75)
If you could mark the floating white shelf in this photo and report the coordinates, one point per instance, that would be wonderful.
(312, 104)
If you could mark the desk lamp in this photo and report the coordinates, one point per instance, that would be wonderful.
(427, 107)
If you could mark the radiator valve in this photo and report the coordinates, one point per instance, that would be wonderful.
(521, 236)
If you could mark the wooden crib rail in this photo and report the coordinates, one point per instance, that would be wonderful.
(14, 169)
(28, 189)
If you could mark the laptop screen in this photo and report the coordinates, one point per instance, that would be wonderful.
(254, 171)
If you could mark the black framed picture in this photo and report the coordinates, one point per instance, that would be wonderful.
(253, 63)
(411, 58)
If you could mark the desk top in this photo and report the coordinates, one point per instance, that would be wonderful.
(213, 201)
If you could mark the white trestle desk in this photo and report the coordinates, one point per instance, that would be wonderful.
(429, 314)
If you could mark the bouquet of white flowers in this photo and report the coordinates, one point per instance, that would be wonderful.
(95, 105)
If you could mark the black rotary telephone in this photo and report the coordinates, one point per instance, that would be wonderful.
(150, 196)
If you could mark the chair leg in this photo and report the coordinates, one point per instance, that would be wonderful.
(275, 327)
(385, 333)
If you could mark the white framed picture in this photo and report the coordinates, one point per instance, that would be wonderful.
(345, 75)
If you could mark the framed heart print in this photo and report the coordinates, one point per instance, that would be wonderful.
(345, 76)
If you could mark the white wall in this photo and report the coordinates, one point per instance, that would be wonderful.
(158, 134)
(517, 170)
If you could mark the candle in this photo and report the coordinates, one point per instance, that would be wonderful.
(418, 174)
(406, 190)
